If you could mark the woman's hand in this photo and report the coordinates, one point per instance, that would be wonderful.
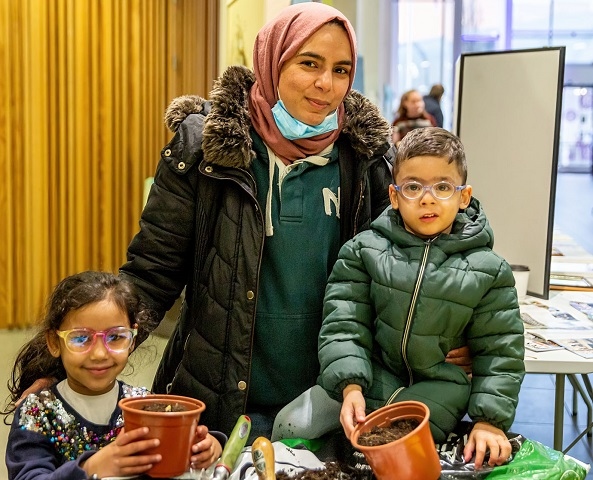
(207, 449)
(353, 408)
(120, 458)
(487, 437)
(461, 357)
(39, 384)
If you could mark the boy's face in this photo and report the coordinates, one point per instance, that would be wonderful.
(428, 216)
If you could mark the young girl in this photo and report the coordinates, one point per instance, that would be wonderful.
(411, 114)
(74, 429)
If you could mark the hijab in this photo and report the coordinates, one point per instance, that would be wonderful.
(278, 41)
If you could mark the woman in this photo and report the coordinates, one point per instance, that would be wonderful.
(251, 202)
(411, 114)
(252, 199)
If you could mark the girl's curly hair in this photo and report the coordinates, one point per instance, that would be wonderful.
(34, 360)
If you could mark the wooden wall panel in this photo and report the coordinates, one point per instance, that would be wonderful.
(35, 169)
(7, 29)
(83, 89)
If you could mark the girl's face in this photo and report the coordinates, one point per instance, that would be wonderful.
(314, 82)
(414, 105)
(93, 372)
(428, 216)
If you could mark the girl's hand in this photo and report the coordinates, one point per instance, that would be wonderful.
(120, 458)
(207, 449)
(353, 408)
(485, 436)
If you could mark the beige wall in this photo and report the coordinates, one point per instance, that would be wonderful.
(243, 20)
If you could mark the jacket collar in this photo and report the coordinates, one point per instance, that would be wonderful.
(470, 230)
(227, 140)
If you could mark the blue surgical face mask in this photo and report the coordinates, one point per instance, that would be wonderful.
(293, 129)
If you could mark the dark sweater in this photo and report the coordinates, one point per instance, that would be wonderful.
(288, 309)
(49, 439)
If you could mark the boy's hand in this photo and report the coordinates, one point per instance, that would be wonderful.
(485, 436)
(207, 449)
(460, 357)
(120, 458)
(353, 408)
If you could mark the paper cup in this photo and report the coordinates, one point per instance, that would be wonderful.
(521, 274)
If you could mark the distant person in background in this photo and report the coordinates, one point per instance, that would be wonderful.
(410, 115)
(432, 103)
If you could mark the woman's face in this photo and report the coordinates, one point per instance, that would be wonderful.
(314, 82)
(414, 105)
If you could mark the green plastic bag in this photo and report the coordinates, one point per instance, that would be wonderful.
(535, 461)
(313, 444)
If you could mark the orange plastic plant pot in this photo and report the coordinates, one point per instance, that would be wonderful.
(411, 457)
(175, 430)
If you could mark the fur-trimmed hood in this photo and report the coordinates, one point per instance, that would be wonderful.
(226, 138)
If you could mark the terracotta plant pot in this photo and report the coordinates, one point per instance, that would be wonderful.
(176, 430)
(410, 457)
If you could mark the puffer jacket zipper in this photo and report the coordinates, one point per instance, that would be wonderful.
(259, 211)
(259, 262)
(170, 384)
(358, 208)
(409, 319)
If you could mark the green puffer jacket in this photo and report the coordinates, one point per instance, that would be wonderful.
(396, 304)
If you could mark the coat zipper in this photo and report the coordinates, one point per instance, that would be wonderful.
(257, 207)
(170, 385)
(259, 262)
(408, 327)
(361, 197)
(358, 208)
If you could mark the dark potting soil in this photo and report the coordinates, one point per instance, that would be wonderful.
(382, 435)
(351, 464)
(163, 407)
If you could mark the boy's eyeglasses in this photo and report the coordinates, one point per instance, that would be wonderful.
(81, 340)
(440, 190)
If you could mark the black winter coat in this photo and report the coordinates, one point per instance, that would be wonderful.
(203, 229)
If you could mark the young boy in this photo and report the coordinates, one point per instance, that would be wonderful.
(421, 281)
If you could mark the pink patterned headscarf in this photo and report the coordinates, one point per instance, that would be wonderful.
(278, 41)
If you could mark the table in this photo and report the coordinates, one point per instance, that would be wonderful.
(569, 259)
(562, 364)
